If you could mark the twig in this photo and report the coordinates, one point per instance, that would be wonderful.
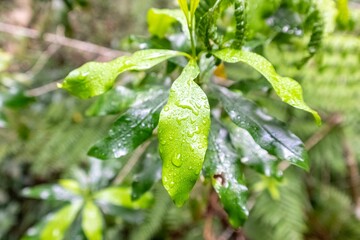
(35, 92)
(60, 40)
(131, 163)
(331, 123)
(354, 176)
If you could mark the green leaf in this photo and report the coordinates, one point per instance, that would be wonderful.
(193, 6)
(287, 89)
(95, 78)
(184, 8)
(3, 120)
(114, 101)
(121, 196)
(132, 128)
(183, 129)
(268, 132)
(58, 223)
(48, 192)
(160, 20)
(252, 154)
(92, 222)
(222, 165)
(149, 173)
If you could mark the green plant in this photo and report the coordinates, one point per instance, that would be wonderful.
(192, 123)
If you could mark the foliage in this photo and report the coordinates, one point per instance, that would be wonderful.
(220, 146)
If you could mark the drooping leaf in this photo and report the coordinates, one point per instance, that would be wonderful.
(183, 129)
(92, 222)
(58, 223)
(114, 101)
(48, 192)
(95, 78)
(149, 173)
(286, 88)
(71, 185)
(132, 128)
(252, 154)
(121, 196)
(160, 20)
(268, 132)
(222, 165)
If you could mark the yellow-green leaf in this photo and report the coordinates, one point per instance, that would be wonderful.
(286, 88)
(121, 196)
(95, 78)
(183, 130)
(184, 8)
(92, 222)
(58, 223)
(71, 185)
(160, 20)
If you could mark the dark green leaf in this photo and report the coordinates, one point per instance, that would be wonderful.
(252, 154)
(222, 165)
(114, 101)
(132, 128)
(121, 196)
(95, 78)
(48, 192)
(92, 222)
(268, 132)
(287, 89)
(183, 129)
(149, 173)
(59, 222)
(3, 120)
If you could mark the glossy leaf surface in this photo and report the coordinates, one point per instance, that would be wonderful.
(268, 132)
(121, 196)
(92, 222)
(160, 20)
(114, 101)
(48, 192)
(132, 128)
(95, 78)
(183, 131)
(252, 154)
(58, 223)
(286, 88)
(222, 165)
(149, 172)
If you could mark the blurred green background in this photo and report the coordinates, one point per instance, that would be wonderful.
(45, 134)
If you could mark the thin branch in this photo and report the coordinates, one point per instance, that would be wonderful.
(60, 40)
(131, 163)
(35, 92)
(334, 121)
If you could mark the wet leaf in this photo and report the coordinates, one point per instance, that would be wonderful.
(268, 132)
(252, 154)
(286, 88)
(183, 130)
(132, 128)
(59, 222)
(92, 222)
(222, 165)
(121, 196)
(114, 101)
(48, 192)
(149, 172)
(95, 78)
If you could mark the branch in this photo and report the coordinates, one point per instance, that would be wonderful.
(60, 40)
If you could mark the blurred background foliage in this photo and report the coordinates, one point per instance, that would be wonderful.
(44, 134)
